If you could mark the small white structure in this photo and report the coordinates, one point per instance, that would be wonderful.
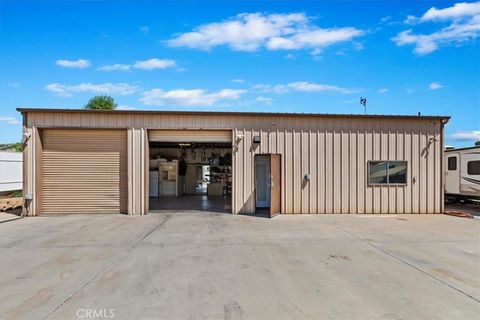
(10, 171)
(462, 173)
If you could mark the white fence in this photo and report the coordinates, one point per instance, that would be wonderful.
(10, 171)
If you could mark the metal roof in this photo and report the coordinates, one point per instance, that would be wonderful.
(460, 149)
(238, 113)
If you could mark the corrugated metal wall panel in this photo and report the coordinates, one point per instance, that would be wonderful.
(289, 156)
(321, 172)
(352, 170)
(137, 171)
(84, 171)
(336, 156)
(313, 163)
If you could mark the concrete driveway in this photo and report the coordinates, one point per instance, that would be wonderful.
(220, 266)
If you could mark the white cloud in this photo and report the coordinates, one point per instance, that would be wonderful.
(266, 100)
(302, 86)
(104, 88)
(315, 39)
(358, 46)
(74, 64)
(238, 81)
(464, 26)
(349, 101)
(10, 120)
(385, 19)
(150, 64)
(457, 11)
(383, 90)
(193, 97)
(154, 63)
(14, 85)
(315, 87)
(290, 56)
(435, 86)
(145, 29)
(115, 67)
(465, 136)
(125, 108)
(279, 88)
(253, 31)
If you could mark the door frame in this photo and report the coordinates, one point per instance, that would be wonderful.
(269, 157)
(233, 147)
(275, 208)
(267, 160)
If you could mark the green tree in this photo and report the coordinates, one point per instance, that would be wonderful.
(101, 103)
(477, 143)
(17, 146)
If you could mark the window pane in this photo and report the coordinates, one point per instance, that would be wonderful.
(452, 163)
(377, 172)
(473, 167)
(397, 172)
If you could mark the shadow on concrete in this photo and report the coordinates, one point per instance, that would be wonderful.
(218, 204)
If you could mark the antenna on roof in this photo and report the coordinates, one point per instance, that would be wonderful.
(363, 102)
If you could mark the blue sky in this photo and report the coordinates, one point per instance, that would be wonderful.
(314, 56)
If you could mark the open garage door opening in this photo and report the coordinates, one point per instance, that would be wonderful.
(190, 170)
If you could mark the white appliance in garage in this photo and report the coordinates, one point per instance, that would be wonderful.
(153, 182)
(168, 175)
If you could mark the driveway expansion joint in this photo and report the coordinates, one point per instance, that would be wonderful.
(403, 261)
(109, 265)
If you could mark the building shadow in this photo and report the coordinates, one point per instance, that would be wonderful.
(186, 203)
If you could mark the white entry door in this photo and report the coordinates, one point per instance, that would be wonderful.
(262, 182)
(452, 174)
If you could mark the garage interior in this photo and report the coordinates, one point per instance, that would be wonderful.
(190, 170)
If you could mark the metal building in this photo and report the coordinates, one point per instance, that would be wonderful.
(79, 161)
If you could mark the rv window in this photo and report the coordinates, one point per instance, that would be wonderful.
(387, 172)
(473, 167)
(452, 163)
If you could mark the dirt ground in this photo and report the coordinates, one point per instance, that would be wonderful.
(473, 209)
(8, 203)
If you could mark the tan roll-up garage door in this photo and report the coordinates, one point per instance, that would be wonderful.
(190, 135)
(84, 171)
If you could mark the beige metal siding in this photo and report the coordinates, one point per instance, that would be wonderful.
(190, 135)
(137, 171)
(335, 153)
(84, 171)
(333, 150)
(32, 170)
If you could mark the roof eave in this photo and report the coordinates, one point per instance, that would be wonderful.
(171, 112)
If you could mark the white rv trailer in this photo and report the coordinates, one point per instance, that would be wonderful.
(10, 171)
(462, 174)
